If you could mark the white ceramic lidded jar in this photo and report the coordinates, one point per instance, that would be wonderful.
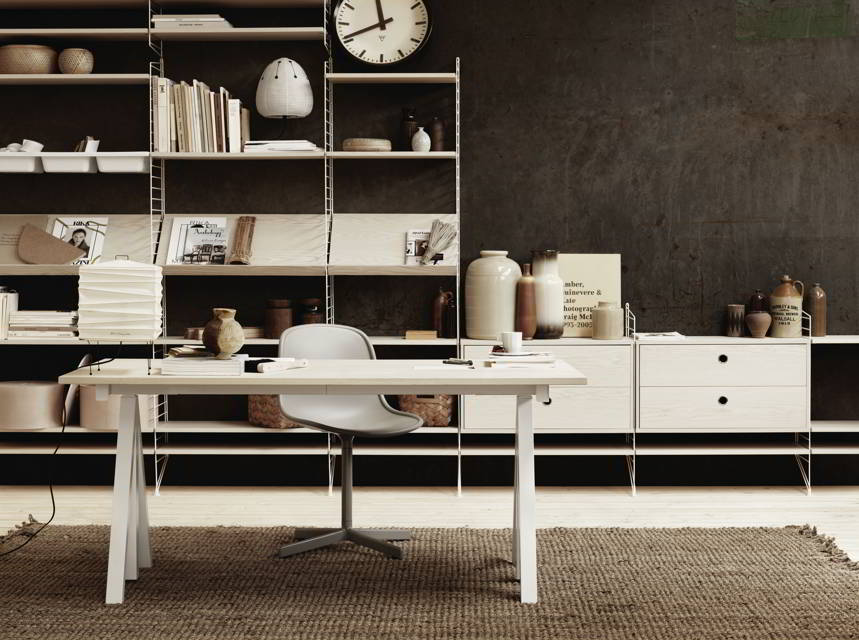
(549, 293)
(490, 295)
(607, 321)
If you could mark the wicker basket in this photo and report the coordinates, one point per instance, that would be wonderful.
(264, 411)
(27, 58)
(435, 410)
(76, 61)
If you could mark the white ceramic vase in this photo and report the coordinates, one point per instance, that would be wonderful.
(549, 294)
(607, 320)
(490, 295)
(421, 141)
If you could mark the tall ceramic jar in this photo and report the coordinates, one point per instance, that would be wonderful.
(815, 303)
(490, 295)
(786, 309)
(526, 305)
(549, 290)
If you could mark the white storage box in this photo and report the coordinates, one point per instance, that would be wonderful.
(123, 162)
(17, 162)
(29, 406)
(119, 300)
(70, 162)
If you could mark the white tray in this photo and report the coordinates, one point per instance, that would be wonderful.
(69, 162)
(17, 162)
(123, 162)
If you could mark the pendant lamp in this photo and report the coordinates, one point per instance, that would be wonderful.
(284, 91)
(119, 300)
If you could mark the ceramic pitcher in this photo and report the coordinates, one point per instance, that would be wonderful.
(786, 308)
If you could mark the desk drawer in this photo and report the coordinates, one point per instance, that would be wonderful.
(728, 408)
(708, 365)
(587, 408)
(604, 366)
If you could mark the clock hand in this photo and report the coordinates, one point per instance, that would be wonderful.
(378, 25)
(380, 14)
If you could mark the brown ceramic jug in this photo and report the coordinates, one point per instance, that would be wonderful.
(526, 304)
(786, 308)
(815, 306)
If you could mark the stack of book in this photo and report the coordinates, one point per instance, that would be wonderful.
(8, 306)
(265, 146)
(192, 118)
(521, 360)
(43, 324)
(196, 361)
(190, 21)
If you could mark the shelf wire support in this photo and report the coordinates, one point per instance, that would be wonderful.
(328, 188)
(460, 402)
(157, 46)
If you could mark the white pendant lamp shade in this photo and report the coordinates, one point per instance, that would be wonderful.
(284, 91)
(119, 300)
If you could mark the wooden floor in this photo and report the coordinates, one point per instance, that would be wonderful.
(834, 510)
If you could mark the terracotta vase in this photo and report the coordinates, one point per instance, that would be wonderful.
(436, 131)
(815, 306)
(278, 317)
(786, 309)
(408, 128)
(490, 295)
(607, 320)
(526, 304)
(734, 321)
(758, 323)
(549, 294)
(223, 336)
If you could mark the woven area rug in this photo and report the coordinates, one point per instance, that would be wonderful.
(595, 584)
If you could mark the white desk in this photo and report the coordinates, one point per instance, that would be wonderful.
(129, 535)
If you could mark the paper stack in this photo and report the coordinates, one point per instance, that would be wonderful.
(260, 146)
(523, 359)
(201, 366)
(43, 324)
(190, 21)
(8, 306)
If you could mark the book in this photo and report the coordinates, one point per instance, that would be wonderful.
(171, 107)
(660, 335)
(224, 97)
(202, 366)
(196, 118)
(260, 146)
(234, 125)
(84, 233)
(421, 334)
(417, 241)
(245, 126)
(198, 240)
(162, 116)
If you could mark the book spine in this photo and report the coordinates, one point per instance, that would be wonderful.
(153, 89)
(246, 126)
(4, 316)
(196, 129)
(179, 108)
(235, 127)
(171, 110)
(163, 120)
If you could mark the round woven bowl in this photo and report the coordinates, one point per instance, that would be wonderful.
(27, 58)
(76, 61)
(366, 144)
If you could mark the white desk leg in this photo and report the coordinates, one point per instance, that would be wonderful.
(121, 494)
(144, 549)
(516, 513)
(133, 517)
(526, 498)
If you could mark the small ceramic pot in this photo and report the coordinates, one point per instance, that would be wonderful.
(734, 321)
(607, 321)
(421, 141)
(758, 323)
(223, 336)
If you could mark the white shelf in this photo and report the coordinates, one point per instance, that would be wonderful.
(74, 34)
(242, 270)
(289, 155)
(396, 341)
(527, 344)
(392, 155)
(391, 78)
(844, 339)
(392, 270)
(141, 4)
(835, 426)
(722, 340)
(837, 449)
(254, 34)
(400, 341)
(38, 270)
(748, 449)
(74, 78)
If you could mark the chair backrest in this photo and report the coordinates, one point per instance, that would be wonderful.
(327, 342)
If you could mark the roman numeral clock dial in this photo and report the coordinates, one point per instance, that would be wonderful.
(382, 32)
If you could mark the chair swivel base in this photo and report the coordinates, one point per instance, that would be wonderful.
(375, 539)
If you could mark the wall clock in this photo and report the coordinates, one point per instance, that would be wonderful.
(382, 32)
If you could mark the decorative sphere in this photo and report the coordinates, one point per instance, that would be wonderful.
(76, 61)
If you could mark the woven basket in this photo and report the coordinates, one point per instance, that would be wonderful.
(76, 61)
(264, 411)
(27, 58)
(435, 410)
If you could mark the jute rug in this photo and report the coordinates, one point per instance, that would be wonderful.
(596, 584)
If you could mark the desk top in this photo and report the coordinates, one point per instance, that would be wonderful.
(339, 374)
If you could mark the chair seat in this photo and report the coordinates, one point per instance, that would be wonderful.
(352, 420)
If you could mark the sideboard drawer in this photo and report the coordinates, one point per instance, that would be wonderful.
(586, 408)
(604, 365)
(728, 408)
(705, 365)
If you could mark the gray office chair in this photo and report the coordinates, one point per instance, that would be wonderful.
(345, 416)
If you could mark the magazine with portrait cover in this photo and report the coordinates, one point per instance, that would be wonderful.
(86, 233)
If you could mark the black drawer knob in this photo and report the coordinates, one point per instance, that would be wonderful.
(723, 358)
(723, 400)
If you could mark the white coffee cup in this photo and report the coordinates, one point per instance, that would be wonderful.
(511, 341)
(31, 146)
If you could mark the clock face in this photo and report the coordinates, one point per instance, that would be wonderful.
(382, 31)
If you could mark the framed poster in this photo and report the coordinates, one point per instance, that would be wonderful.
(87, 234)
(588, 278)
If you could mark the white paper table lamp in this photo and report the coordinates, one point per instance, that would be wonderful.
(284, 91)
(119, 300)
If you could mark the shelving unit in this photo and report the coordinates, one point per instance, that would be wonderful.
(75, 79)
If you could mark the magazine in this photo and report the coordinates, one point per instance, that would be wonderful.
(416, 246)
(84, 233)
(198, 240)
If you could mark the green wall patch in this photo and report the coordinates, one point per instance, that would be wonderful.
(771, 19)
